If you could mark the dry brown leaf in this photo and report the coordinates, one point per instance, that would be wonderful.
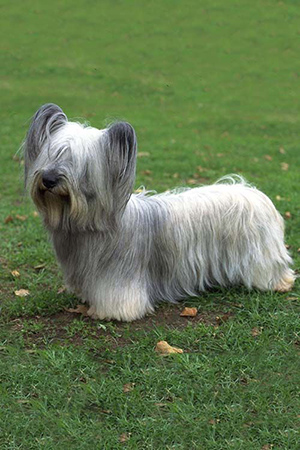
(222, 319)
(192, 181)
(35, 214)
(128, 387)
(201, 169)
(124, 437)
(146, 172)
(213, 421)
(15, 273)
(80, 309)
(22, 218)
(284, 166)
(163, 348)
(268, 158)
(189, 312)
(61, 289)
(8, 219)
(105, 411)
(22, 293)
(282, 151)
(256, 331)
(142, 154)
(287, 214)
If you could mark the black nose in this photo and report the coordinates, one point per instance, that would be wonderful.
(49, 179)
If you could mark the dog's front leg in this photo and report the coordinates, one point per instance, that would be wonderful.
(119, 300)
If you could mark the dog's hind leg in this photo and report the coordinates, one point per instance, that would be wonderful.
(286, 283)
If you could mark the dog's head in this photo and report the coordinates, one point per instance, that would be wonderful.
(79, 177)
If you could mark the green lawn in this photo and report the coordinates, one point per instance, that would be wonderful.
(211, 88)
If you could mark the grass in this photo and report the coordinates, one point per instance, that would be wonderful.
(211, 88)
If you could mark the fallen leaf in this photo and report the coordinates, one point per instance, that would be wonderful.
(22, 293)
(268, 158)
(278, 197)
(175, 175)
(192, 181)
(142, 154)
(222, 319)
(128, 387)
(189, 312)
(8, 219)
(124, 437)
(80, 309)
(284, 166)
(220, 155)
(105, 411)
(298, 250)
(61, 290)
(201, 169)
(35, 214)
(292, 299)
(22, 218)
(213, 421)
(256, 331)
(282, 151)
(287, 214)
(146, 172)
(163, 348)
(267, 447)
(15, 273)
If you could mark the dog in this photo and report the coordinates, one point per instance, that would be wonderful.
(122, 252)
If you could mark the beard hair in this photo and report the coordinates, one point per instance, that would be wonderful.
(59, 207)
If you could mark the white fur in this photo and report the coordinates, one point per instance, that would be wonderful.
(122, 252)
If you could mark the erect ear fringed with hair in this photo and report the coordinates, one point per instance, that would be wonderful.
(121, 161)
(46, 120)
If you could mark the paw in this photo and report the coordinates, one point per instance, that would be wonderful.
(91, 312)
(285, 284)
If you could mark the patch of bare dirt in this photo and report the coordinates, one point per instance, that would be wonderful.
(61, 327)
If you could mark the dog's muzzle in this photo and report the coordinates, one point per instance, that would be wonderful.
(50, 179)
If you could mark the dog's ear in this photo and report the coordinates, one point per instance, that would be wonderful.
(121, 154)
(46, 120)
